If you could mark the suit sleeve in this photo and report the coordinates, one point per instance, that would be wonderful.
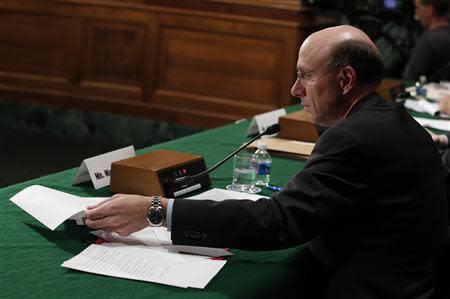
(322, 196)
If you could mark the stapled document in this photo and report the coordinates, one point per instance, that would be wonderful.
(141, 263)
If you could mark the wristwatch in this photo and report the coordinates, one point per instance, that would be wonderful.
(155, 214)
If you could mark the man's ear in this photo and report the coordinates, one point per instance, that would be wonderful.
(347, 79)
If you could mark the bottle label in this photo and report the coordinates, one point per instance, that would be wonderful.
(264, 168)
(421, 91)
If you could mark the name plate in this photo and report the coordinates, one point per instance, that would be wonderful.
(261, 121)
(98, 169)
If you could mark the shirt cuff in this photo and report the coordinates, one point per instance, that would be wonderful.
(169, 213)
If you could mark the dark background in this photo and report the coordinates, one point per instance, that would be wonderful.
(37, 140)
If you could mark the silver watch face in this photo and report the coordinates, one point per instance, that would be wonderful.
(156, 216)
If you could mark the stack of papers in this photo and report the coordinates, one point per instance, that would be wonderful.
(422, 106)
(300, 149)
(439, 124)
(146, 264)
(146, 255)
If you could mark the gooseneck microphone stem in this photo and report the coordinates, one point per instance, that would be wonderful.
(269, 131)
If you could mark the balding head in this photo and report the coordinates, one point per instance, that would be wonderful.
(337, 67)
(332, 35)
(344, 45)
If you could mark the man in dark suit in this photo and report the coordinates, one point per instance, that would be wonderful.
(370, 200)
(431, 53)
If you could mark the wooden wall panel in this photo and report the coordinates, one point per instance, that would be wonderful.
(113, 56)
(248, 65)
(198, 62)
(34, 50)
(228, 66)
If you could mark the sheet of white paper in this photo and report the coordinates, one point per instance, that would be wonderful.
(159, 236)
(146, 264)
(51, 207)
(218, 194)
(98, 168)
(440, 124)
(422, 106)
(150, 236)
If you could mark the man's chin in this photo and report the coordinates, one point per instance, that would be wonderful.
(308, 111)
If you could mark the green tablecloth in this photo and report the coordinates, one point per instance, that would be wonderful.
(31, 254)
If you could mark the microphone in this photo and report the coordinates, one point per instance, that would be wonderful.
(273, 129)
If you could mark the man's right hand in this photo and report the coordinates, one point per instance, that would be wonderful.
(122, 213)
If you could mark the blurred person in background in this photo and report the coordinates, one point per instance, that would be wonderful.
(431, 52)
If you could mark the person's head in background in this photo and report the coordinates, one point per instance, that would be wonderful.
(432, 13)
(336, 68)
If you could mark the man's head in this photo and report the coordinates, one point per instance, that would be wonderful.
(336, 67)
(428, 11)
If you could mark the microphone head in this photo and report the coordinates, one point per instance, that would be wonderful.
(273, 129)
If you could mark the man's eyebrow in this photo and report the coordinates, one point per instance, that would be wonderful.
(303, 69)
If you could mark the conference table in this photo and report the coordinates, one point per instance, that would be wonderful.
(31, 254)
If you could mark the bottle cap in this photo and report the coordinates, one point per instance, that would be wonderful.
(423, 79)
(261, 145)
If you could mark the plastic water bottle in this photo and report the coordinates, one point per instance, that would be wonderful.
(264, 163)
(421, 91)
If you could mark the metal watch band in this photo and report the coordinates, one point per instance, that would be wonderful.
(155, 208)
(156, 202)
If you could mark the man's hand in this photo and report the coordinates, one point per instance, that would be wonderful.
(440, 140)
(124, 214)
(444, 105)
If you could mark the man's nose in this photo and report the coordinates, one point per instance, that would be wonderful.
(298, 89)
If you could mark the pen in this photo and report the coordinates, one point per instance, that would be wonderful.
(274, 188)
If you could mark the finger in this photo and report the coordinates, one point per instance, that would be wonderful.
(98, 223)
(102, 202)
(101, 211)
(129, 229)
(107, 231)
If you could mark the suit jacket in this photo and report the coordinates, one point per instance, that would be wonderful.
(371, 199)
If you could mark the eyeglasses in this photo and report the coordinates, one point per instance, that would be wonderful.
(307, 78)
